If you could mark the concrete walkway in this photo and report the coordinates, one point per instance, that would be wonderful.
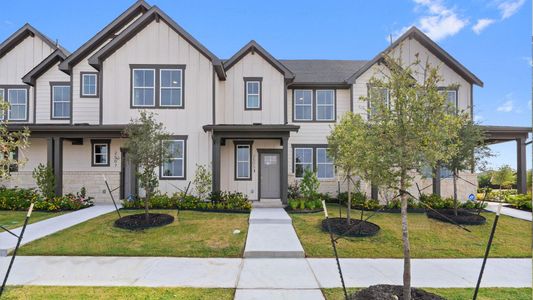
(271, 235)
(509, 211)
(46, 227)
(260, 274)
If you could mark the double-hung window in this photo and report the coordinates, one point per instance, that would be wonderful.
(89, 84)
(303, 160)
(325, 105)
(378, 96)
(243, 161)
(324, 164)
(100, 153)
(60, 101)
(170, 93)
(303, 105)
(174, 166)
(252, 93)
(451, 99)
(143, 87)
(18, 104)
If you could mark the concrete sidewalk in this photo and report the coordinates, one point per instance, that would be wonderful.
(511, 212)
(260, 274)
(49, 226)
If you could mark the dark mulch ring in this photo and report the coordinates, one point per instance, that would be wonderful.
(139, 222)
(390, 292)
(340, 227)
(303, 211)
(464, 217)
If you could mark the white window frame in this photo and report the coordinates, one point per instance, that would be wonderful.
(325, 105)
(258, 94)
(322, 163)
(11, 105)
(248, 161)
(106, 154)
(295, 105)
(445, 91)
(173, 159)
(53, 101)
(161, 88)
(83, 93)
(133, 87)
(300, 163)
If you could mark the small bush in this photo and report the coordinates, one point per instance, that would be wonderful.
(45, 179)
(294, 190)
(437, 202)
(521, 201)
(217, 201)
(20, 199)
(309, 185)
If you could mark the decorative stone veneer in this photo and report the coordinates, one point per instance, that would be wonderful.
(21, 179)
(93, 182)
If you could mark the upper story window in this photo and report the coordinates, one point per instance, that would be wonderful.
(157, 86)
(89, 84)
(174, 168)
(378, 95)
(143, 87)
(243, 161)
(17, 97)
(60, 100)
(252, 93)
(303, 105)
(314, 105)
(325, 105)
(100, 153)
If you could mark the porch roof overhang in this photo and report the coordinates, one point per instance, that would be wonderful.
(500, 134)
(70, 131)
(251, 130)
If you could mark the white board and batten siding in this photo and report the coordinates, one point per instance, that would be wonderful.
(44, 95)
(156, 44)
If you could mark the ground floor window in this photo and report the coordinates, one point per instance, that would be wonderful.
(174, 168)
(12, 157)
(324, 164)
(100, 153)
(314, 158)
(243, 160)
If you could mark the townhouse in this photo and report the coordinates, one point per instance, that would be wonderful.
(257, 121)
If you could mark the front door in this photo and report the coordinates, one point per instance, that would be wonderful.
(127, 176)
(269, 175)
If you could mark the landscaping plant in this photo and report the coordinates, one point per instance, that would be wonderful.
(309, 185)
(202, 181)
(504, 177)
(10, 142)
(405, 130)
(146, 149)
(45, 179)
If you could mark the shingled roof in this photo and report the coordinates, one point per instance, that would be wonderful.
(322, 71)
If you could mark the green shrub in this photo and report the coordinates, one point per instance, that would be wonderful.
(521, 201)
(437, 202)
(45, 179)
(309, 185)
(20, 199)
(294, 190)
(293, 203)
(218, 200)
(202, 181)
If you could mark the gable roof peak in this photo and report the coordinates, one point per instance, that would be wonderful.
(18, 36)
(253, 46)
(58, 55)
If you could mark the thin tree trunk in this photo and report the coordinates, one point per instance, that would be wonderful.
(406, 245)
(455, 202)
(146, 205)
(349, 203)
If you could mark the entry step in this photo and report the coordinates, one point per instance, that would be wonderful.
(268, 203)
(269, 216)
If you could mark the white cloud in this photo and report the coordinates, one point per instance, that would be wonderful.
(436, 20)
(528, 60)
(481, 24)
(478, 118)
(509, 7)
(507, 106)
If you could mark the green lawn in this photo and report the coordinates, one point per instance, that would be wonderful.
(429, 238)
(457, 294)
(195, 234)
(116, 293)
(13, 219)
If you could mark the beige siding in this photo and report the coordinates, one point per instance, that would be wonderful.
(44, 94)
(230, 100)
(227, 168)
(159, 44)
(32, 156)
(360, 88)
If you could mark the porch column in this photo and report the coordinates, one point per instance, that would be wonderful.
(54, 157)
(285, 170)
(521, 176)
(436, 181)
(216, 163)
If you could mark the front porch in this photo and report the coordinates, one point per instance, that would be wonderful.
(252, 159)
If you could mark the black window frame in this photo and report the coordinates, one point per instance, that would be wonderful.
(95, 142)
(236, 144)
(157, 85)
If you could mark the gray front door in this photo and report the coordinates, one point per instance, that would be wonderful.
(269, 181)
(128, 178)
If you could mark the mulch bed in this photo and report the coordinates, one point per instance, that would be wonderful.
(391, 292)
(519, 208)
(139, 222)
(464, 217)
(303, 211)
(340, 227)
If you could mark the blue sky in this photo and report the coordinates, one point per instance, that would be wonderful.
(492, 38)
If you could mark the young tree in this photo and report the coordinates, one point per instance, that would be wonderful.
(409, 124)
(504, 177)
(147, 150)
(9, 143)
(471, 151)
(202, 181)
